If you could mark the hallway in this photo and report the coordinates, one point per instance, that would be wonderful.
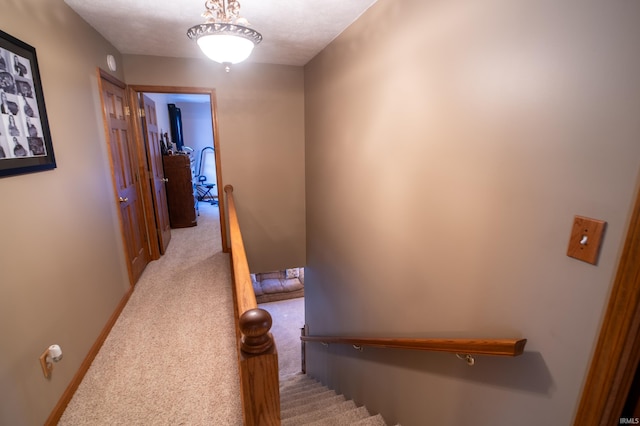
(171, 357)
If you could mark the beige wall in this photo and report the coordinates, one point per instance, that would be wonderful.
(261, 124)
(63, 271)
(448, 146)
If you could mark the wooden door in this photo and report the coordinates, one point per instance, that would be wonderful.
(124, 162)
(616, 358)
(157, 178)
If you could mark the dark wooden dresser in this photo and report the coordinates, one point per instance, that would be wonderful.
(180, 196)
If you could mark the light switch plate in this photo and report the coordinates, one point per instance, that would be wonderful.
(586, 238)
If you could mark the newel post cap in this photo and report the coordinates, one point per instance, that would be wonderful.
(255, 325)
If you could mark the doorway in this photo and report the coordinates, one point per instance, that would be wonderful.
(138, 177)
(178, 94)
(610, 389)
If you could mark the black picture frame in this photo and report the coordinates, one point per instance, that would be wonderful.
(25, 138)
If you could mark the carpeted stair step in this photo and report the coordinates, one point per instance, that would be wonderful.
(317, 414)
(310, 406)
(294, 401)
(305, 392)
(293, 393)
(376, 420)
(296, 380)
(308, 385)
(344, 418)
(305, 401)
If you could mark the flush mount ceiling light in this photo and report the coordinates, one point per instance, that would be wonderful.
(225, 37)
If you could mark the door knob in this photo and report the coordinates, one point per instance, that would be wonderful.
(165, 180)
(124, 200)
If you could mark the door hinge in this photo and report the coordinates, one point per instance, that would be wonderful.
(127, 111)
(141, 113)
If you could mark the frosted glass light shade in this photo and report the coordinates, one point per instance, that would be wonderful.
(223, 42)
(225, 48)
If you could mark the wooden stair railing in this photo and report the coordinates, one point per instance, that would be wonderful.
(258, 357)
(466, 347)
(257, 354)
(499, 347)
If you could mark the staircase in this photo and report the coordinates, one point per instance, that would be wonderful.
(305, 401)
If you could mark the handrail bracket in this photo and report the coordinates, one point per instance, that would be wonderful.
(468, 358)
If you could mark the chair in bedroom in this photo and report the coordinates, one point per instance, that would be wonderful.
(204, 189)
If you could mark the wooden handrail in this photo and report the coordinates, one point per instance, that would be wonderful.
(242, 278)
(257, 354)
(498, 347)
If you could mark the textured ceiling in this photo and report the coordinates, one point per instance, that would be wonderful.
(294, 31)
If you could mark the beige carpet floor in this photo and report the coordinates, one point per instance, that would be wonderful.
(170, 359)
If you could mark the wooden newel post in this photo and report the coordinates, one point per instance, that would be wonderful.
(255, 325)
(259, 369)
